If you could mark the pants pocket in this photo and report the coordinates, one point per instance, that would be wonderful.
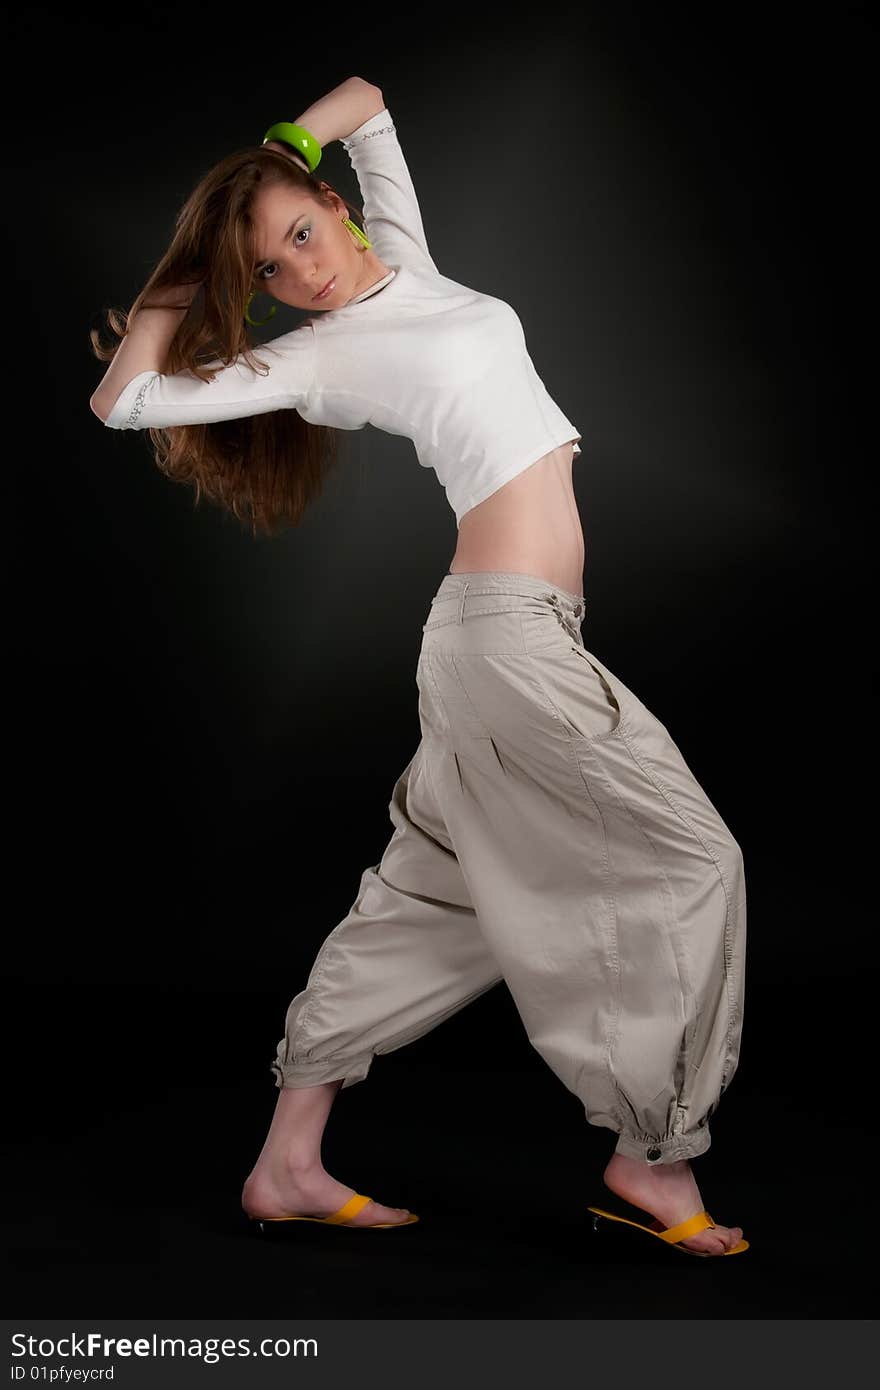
(576, 691)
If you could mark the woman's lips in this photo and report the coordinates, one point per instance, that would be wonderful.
(326, 290)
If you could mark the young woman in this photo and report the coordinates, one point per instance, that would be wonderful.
(547, 831)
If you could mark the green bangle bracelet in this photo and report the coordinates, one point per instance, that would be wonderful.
(299, 139)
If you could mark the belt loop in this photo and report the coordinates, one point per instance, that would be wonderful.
(461, 605)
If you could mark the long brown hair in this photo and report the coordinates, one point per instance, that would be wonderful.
(264, 469)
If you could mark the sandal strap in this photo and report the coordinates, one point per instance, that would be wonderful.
(351, 1208)
(684, 1229)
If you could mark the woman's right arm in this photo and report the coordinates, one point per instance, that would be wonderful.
(145, 347)
(281, 379)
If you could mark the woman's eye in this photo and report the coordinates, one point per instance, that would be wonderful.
(263, 275)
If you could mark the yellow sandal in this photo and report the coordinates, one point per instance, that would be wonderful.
(672, 1234)
(342, 1217)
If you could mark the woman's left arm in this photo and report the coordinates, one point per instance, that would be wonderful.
(337, 114)
(355, 113)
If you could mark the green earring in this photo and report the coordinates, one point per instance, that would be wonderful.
(353, 227)
(257, 323)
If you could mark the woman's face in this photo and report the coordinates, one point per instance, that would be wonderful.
(301, 245)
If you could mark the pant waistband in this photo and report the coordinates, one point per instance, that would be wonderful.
(507, 582)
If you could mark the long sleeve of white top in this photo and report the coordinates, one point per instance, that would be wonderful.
(155, 400)
(392, 216)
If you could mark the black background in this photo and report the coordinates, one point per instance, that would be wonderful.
(207, 728)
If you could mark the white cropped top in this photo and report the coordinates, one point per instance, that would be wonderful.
(416, 354)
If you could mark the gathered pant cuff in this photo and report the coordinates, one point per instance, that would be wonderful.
(291, 1075)
(664, 1150)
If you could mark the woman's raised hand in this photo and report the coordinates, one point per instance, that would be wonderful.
(285, 149)
(175, 296)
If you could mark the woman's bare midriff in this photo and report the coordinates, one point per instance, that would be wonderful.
(531, 525)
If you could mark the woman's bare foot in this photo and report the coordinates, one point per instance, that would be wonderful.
(293, 1191)
(669, 1192)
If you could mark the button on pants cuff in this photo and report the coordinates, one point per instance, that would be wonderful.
(655, 1151)
(291, 1075)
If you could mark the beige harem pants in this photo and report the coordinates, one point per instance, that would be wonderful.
(547, 833)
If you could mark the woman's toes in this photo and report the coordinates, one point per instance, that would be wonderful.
(729, 1238)
(715, 1240)
(375, 1212)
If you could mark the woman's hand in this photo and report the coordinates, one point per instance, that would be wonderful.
(149, 334)
(174, 296)
(286, 149)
